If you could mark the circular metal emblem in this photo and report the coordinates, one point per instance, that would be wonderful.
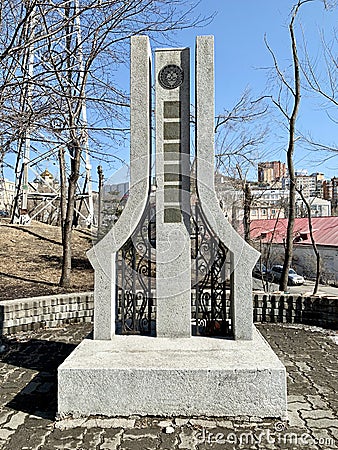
(170, 77)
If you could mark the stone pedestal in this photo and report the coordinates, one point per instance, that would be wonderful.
(183, 377)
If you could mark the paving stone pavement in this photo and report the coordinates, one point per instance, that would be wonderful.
(28, 389)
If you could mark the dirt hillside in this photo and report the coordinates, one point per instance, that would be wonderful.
(30, 260)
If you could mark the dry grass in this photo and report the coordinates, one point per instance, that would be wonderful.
(30, 261)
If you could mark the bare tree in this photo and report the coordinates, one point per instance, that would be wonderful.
(240, 133)
(75, 75)
(326, 85)
(289, 92)
(247, 200)
(323, 83)
(58, 61)
(15, 24)
(289, 89)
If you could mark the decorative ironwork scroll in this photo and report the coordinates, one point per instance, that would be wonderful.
(211, 307)
(135, 277)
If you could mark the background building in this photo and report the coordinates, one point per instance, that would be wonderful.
(310, 185)
(271, 171)
(268, 203)
(271, 234)
(319, 207)
(7, 194)
(330, 192)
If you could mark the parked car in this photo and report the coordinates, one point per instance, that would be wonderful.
(4, 213)
(259, 270)
(294, 279)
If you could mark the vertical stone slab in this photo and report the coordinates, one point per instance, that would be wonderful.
(140, 114)
(103, 255)
(173, 275)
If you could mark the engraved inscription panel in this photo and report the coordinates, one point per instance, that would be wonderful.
(172, 215)
(172, 161)
(171, 131)
(171, 110)
(172, 152)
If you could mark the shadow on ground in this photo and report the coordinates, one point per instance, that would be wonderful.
(77, 263)
(32, 233)
(30, 280)
(39, 396)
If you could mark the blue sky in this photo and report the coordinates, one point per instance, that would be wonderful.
(242, 61)
(241, 56)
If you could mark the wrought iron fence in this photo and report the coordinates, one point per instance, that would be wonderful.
(211, 281)
(136, 277)
(210, 265)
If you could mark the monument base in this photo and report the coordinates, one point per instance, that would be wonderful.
(198, 376)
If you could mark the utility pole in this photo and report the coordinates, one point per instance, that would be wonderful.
(101, 177)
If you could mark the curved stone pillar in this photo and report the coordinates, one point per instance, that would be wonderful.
(103, 255)
(243, 256)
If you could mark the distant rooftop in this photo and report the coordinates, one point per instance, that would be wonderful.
(325, 230)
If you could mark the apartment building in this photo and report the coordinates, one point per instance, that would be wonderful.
(330, 192)
(270, 195)
(310, 185)
(270, 171)
(268, 203)
(7, 194)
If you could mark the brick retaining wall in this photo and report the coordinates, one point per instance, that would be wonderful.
(55, 310)
(48, 311)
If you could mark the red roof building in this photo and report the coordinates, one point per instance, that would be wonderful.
(325, 231)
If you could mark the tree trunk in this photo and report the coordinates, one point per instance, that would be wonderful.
(99, 220)
(292, 189)
(247, 209)
(63, 187)
(74, 151)
(291, 221)
(68, 223)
